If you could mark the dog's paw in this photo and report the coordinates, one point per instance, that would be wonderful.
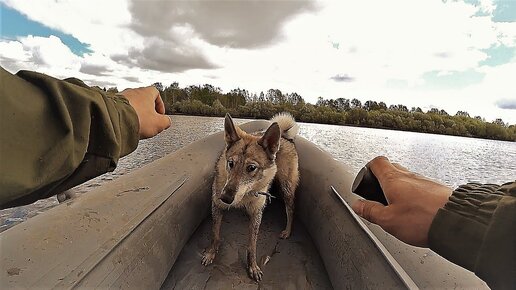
(255, 272)
(208, 257)
(285, 234)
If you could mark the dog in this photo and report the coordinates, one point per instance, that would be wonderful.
(244, 173)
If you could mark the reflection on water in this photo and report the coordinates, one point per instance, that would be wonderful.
(452, 160)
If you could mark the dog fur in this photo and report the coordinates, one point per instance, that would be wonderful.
(248, 166)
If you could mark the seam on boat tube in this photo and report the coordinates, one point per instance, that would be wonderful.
(176, 187)
(404, 277)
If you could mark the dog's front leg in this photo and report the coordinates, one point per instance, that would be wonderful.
(288, 189)
(211, 251)
(255, 219)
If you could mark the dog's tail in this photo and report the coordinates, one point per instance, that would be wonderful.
(288, 126)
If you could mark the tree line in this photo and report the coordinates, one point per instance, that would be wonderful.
(208, 100)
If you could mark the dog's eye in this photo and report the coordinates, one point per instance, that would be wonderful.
(251, 168)
(231, 163)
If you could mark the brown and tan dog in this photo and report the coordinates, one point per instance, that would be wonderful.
(245, 170)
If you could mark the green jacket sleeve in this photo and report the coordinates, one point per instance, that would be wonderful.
(56, 134)
(476, 229)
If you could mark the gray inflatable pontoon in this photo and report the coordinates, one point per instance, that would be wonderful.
(146, 230)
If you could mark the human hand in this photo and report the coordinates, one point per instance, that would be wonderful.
(413, 202)
(150, 109)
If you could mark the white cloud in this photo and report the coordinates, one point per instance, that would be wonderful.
(47, 54)
(242, 24)
(96, 22)
(51, 56)
(50, 52)
(14, 54)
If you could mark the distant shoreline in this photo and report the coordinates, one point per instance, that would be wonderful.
(207, 100)
(345, 125)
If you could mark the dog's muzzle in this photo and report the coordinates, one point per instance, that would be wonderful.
(228, 195)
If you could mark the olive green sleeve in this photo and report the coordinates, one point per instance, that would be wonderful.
(56, 134)
(476, 229)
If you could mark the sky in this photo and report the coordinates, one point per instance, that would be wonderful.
(451, 55)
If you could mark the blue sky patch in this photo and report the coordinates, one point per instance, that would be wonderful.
(452, 80)
(481, 13)
(498, 54)
(14, 25)
(473, 2)
(396, 84)
(505, 11)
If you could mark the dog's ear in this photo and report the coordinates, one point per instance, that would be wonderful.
(270, 140)
(230, 132)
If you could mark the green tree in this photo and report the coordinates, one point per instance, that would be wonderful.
(211, 101)
(355, 103)
(462, 114)
(158, 86)
(113, 90)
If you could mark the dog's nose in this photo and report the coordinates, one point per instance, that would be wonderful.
(226, 199)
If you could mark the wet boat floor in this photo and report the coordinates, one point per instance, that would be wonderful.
(294, 263)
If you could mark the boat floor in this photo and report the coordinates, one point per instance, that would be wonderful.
(294, 263)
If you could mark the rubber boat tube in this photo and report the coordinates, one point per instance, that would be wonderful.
(128, 233)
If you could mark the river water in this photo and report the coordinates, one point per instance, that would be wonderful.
(452, 160)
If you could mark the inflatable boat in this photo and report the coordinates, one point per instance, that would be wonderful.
(147, 230)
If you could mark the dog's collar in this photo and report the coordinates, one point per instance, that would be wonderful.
(267, 195)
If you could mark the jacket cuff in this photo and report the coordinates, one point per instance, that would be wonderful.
(457, 231)
(128, 124)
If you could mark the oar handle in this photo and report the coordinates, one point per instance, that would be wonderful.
(367, 186)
